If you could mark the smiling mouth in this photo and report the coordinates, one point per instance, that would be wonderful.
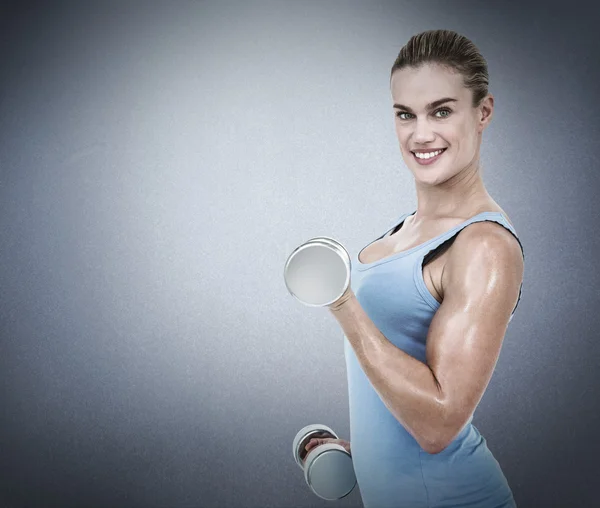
(429, 157)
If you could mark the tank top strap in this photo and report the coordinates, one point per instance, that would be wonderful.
(497, 217)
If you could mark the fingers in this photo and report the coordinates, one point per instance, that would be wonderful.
(316, 441)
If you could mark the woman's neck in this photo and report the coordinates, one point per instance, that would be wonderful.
(457, 200)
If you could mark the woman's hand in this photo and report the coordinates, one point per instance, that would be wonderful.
(317, 441)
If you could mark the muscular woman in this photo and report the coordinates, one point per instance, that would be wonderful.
(431, 298)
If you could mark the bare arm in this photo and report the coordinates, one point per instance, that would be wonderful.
(434, 400)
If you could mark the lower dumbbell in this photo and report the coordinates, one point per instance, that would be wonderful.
(328, 468)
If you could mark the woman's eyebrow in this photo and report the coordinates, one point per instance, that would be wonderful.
(434, 104)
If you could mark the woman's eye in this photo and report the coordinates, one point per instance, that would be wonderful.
(400, 113)
(403, 115)
(444, 110)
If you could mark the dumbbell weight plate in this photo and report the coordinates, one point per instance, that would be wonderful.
(329, 472)
(317, 273)
(328, 468)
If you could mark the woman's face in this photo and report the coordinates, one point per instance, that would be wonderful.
(426, 125)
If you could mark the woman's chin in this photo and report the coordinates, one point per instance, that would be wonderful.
(429, 176)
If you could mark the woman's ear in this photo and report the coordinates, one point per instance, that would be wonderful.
(486, 111)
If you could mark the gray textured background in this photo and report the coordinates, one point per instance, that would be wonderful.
(158, 163)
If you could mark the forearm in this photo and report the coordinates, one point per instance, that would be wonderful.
(407, 386)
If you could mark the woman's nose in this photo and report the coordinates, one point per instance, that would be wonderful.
(423, 132)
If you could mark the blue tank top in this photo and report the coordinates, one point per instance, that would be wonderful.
(392, 470)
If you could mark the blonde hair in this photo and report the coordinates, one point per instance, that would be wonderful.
(451, 50)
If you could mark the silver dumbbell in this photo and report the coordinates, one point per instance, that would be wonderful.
(328, 468)
(317, 273)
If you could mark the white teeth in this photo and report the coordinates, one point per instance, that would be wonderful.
(427, 155)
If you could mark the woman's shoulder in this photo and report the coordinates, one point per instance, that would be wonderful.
(490, 232)
(491, 237)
